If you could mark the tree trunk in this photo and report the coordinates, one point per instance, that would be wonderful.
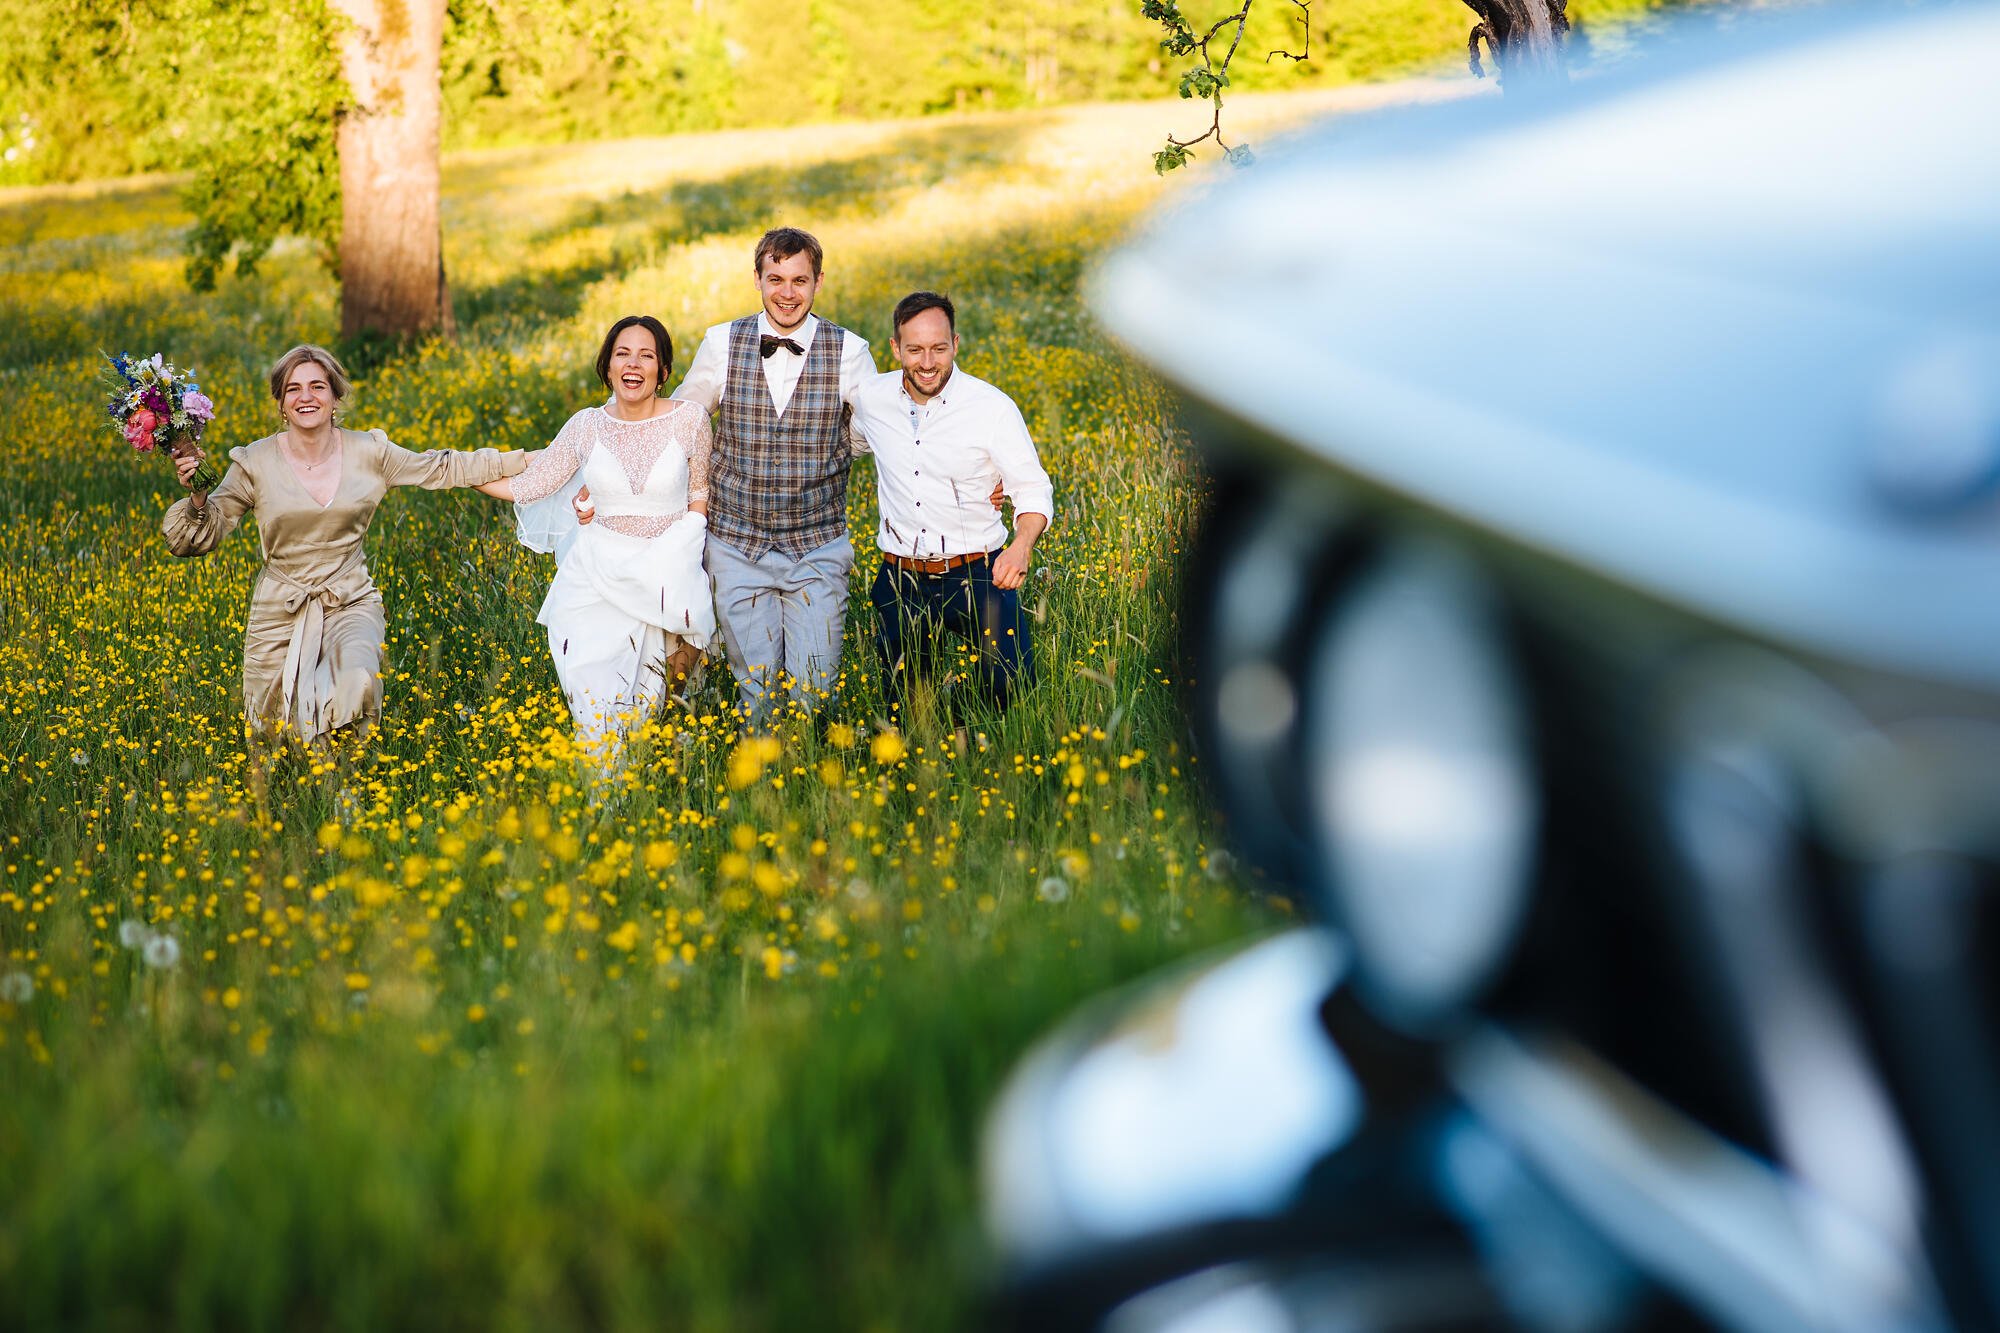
(391, 240)
(1525, 38)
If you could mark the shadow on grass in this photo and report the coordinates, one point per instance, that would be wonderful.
(596, 240)
(619, 232)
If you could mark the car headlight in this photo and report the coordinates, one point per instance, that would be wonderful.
(1420, 779)
(1266, 556)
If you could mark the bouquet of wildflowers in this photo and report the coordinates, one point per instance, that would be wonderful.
(156, 405)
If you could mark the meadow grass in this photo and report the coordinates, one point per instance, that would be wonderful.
(444, 1034)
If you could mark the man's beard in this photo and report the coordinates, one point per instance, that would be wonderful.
(912, 388)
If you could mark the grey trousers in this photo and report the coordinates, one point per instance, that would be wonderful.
(782, 620)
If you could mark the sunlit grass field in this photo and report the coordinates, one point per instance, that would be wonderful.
(450, 1037)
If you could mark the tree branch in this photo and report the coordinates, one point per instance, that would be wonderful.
(1207, 79)
(1479, 30)
(1239, 18)
(1305, 32)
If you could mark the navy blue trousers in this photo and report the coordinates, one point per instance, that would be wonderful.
(912, 612)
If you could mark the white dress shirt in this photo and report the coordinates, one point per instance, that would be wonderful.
(709, 372)
(936, 462)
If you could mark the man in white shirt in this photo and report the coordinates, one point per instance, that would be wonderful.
(942, 439)
(780, 382)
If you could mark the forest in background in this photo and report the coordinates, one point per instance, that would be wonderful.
(103, 88)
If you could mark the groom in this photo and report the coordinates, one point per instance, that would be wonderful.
(779, 553)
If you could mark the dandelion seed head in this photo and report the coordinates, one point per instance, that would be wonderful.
(161, 951)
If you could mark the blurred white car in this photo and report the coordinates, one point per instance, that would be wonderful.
(1598, 626)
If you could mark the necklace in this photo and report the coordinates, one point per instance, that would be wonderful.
(292, 457)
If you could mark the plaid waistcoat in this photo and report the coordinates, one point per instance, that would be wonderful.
(780, 482)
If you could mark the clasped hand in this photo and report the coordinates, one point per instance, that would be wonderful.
(185, 464)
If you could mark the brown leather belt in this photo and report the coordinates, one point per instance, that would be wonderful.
(941, 565)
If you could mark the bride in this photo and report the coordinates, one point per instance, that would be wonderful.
(630, 610)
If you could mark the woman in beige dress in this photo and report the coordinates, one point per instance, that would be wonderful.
(312, 644)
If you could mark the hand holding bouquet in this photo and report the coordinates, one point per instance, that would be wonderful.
(155, 405)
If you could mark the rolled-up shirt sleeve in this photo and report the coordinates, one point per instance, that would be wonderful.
(1021, 471)
(708, 371)
(857, 366)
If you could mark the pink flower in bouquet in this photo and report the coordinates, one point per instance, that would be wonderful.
(139, 429)
(197, 406)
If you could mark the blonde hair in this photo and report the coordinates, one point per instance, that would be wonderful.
(336, 374)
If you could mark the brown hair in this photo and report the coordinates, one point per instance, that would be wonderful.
(336, 374)
(662, 343)
(781, 243)
(915, 304)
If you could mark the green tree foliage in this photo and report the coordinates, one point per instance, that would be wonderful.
(241, 96)
(263, 115)
(541, 71)
(96, 88)
(80, 98)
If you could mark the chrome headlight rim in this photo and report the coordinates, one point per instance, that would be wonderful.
(1477, 607)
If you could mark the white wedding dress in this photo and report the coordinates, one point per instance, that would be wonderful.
(629, 587)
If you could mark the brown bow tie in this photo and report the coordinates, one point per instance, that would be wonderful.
(770, 345)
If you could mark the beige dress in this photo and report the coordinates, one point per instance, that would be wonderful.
(312, 644)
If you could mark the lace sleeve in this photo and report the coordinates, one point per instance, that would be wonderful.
(549, 468)
(700, 443)
(543, 519)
